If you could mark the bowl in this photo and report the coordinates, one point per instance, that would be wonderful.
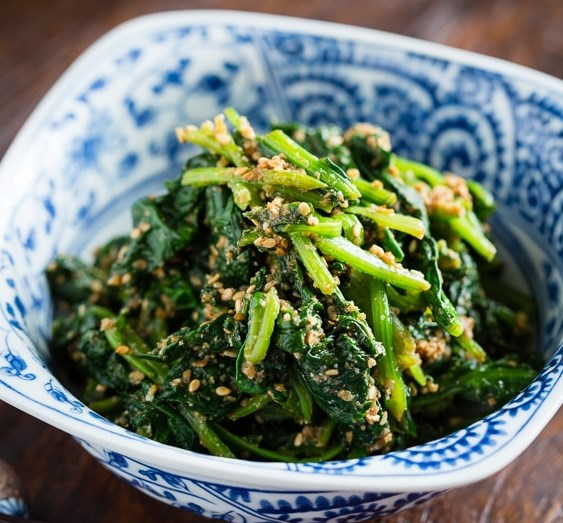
(104, 136)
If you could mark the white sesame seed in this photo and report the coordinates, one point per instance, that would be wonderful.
(222, 391)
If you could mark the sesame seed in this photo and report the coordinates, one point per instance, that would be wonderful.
(269, 243)
(194, 385)
(246, 129)
(227, 294)
(222, 391)
(140, 264)
(200, 363)
(239, 171)
(345, 395)
(213, 279)
(136, 377)
(354, 174)
(304, 208)
(106, 324)
(114, 280)
(151, 392)
(237, 296)
(122, 350)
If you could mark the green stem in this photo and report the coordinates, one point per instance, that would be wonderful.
(409, 302)
(229, 150)
(470, 229)
(325, 432)
(320, 201)
(482, 198)
(241, 443)
(245, 194)
(442, 308)
(351, 227)
(328, 227)
(248, 237)
(203, 176)
(405, 348)
(296, 154)
(107, 405)
(387, 367)
(250, 406)
(390, 243)
(328, 455)
(288, 178)
(263, 311)
(207, 436)
(234, 117)
(345, 251)
(375, 193)
(384, 217)
(303, 394)
(122, 334)
(418, 375)
(471, 348)
(314, 264)
(422, 171)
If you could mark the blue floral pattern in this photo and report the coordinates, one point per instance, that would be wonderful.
(14, 507)
(106, 137)
(225, 502)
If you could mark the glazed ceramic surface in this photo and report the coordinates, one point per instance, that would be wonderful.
(104, 136)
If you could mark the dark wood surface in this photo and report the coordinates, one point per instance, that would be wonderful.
(39, 39)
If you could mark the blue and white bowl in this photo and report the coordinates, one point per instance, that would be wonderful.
(103, 136)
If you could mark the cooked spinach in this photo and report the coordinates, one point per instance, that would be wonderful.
(305, 294)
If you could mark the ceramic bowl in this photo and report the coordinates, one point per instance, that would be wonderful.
(104, 136)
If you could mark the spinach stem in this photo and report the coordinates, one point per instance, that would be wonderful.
(385, 217)
(387, 367)
(327, 172)
(263, 311)
(345, 251)
(207, 436)
(314, 264)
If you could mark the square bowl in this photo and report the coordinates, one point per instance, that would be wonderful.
(104, 136)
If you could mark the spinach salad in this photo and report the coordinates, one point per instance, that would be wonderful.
(302, 295)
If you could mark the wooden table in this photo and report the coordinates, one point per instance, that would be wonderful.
(39, 39)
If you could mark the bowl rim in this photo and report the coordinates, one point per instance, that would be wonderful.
(273, 474)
